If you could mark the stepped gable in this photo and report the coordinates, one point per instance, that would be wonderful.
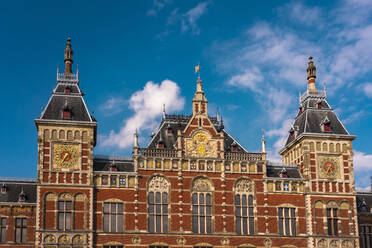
(104, 163)
(171, 124)
(67, 102)
(274, 170)
(314, 112)
(11, 189)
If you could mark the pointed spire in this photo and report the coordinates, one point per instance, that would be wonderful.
(311, 75)
(136, 139)
(218, 114)
(263, 142)
(164, 114)
(199, 100)
(68, 57)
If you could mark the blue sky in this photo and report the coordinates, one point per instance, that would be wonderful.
(135, 56)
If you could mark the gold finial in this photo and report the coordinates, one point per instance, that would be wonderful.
(68, 57)
(197, 70)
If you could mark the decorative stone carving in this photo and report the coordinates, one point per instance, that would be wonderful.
(322, 243)
(78, 239)
(159, 184)
(268, 243)
(333, 244)
(50, 239)
(136, 240)
(181, 241)
(225, 241)
(64, 239)
(244, 186)
(201, 145)
(347, 244)
(201, 185)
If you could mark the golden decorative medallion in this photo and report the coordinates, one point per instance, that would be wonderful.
(201, 145)
(328, 167)
(66, 156)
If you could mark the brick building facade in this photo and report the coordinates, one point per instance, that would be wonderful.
(193, 186)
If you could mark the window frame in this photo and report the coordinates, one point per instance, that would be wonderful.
(287, 221)
(332, 221)
(245, 228)
(200, 212)
(20, 230)
(114, 217)
(66, 213)
(3, 229)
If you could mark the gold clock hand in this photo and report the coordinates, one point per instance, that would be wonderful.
(64, 157)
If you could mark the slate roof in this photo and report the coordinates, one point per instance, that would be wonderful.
(364, 202)
(310, 117)
(104, 163)
(274, 171)
(14, 187)
(179, 122)
(72, 100)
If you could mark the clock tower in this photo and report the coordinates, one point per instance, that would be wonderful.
(66, 138)
(322, 148)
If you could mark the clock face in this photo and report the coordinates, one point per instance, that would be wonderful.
(328, 168)
(66, 156)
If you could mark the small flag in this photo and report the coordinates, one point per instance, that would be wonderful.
(197, 68)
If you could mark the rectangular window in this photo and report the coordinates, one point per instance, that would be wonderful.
(244, 214)
(64, 215)
(332, 221)
(287, 221)
(201, 212)
(3, 222)
(112, 217)
(158, 212)
(20, 230)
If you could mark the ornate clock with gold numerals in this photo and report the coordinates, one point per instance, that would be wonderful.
(66, 156)
(328, 167)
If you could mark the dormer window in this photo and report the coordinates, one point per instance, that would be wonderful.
(319, 105)
(113, 168)
(66, 114)
(283, 173)
(300, 110)
(67, 90)
(22, 197)
(4, 189)
(160, 145)
(234, 147)
(326, 125)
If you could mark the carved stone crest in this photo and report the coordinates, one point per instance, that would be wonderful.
(136, 240)
(244, 186)
(159, 184)
(225, 241)
(268, 243)
(181, 241)
(201, 185)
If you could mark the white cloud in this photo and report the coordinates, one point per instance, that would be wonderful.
(355, 116)
(362, 161)
(158, 5)
(113, 105)
(190, 18)
(187, 20)
(281, 134)
(299, 13)
(367, 88)
(249, 79)
(147, 105)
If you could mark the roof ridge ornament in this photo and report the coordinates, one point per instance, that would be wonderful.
(311, 75)
(68, 57)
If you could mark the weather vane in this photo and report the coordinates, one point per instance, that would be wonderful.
(197, 70)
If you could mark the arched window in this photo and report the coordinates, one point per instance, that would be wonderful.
(287, 221)
(332, 219)
(158, 190)
(244, 216)
(112, 216)
(201, 206)
(65, 212)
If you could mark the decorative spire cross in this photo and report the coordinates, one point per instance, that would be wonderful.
(68, 57)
